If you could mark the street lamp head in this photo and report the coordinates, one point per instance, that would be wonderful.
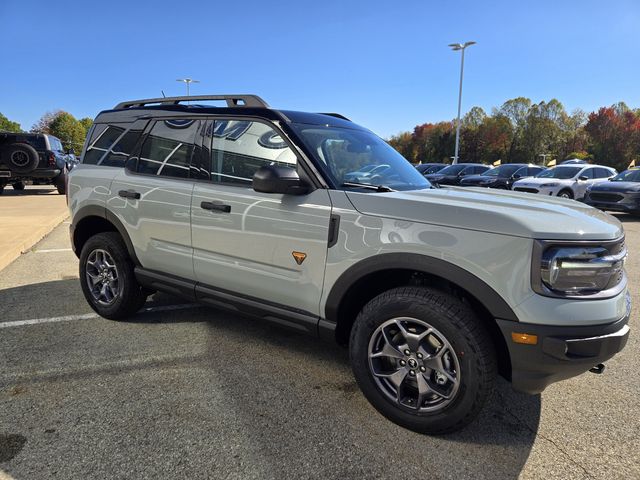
(461, 46)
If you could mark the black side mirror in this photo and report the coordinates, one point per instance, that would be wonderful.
(583, 178)
(279, 179)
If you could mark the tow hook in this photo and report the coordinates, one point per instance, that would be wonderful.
(597, 369)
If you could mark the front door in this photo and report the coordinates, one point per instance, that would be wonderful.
(270, 247)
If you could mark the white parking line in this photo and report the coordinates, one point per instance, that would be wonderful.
(49, 250)
(88, 316)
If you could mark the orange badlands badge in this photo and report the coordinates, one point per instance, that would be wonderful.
(299, 257)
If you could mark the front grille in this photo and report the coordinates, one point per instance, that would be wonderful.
(526, 189)
(605, 197)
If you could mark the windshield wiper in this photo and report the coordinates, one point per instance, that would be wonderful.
(377, 188)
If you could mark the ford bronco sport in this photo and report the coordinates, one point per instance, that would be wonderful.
(434, 291)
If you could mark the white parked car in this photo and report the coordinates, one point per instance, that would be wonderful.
(568, 181)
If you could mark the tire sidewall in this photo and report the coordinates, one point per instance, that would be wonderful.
(128, 288)
(453, 331)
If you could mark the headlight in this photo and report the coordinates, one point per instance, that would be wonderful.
(586, 269)
(549, 184)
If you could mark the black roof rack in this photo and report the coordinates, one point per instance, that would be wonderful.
(232, 101)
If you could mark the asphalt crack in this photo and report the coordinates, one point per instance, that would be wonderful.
(536, 433)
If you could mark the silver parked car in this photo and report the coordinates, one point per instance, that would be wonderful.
(567, 181)
(434, 291)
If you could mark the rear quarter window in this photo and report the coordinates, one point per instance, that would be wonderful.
(110, 145)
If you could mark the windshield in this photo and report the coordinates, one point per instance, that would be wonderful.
(452, 169)
(356, 156)
(559, 172)
(433, 169)
(502, 171)
(627, 176)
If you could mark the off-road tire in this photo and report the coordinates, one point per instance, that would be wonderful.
(60, 184)
(131, 295)
(20, 157)
(455, 320)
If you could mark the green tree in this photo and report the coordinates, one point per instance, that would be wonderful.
(7, 125)
(70, 132)
(63, 125)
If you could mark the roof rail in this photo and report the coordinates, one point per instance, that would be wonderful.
(232, 101)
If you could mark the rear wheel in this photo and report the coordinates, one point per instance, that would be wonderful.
(565, 194)
(422, 359)
(18, 186)
(107, 277)
(60, 184)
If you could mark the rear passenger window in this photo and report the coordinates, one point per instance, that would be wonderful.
(587, 173)
(239, 148)
(168, 148)
(602, 173)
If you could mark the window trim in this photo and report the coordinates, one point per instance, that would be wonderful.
(312, 174)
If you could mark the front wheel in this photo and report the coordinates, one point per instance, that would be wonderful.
(107, 277)
(422, 359)
(566, 194)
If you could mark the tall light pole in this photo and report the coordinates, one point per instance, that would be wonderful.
(188, 81)
(459, 46)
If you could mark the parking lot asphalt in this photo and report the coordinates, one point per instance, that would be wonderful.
(183, 391)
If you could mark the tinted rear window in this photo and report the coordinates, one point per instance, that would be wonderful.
(111, 145)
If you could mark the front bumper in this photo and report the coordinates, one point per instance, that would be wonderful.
(549, 191)
(560, 352)
(614, 201)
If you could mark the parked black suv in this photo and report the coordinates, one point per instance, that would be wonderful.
(452, 174)
(33, 156)
(501, 177)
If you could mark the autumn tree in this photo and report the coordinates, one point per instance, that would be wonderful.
(63, 125)
(615, 135)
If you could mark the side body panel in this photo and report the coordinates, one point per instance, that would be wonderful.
(250, 249)
(159, 223)
(501, 261)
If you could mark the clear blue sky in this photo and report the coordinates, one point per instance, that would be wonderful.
(385, 64)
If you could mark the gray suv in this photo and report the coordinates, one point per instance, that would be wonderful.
(435, 291)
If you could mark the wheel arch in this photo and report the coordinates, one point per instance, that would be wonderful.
(370, 277)
(91, 220)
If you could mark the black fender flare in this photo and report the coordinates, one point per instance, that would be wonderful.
(486, 295)
(102, 212)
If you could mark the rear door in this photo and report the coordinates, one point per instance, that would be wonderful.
(153, 198)
(270, 247)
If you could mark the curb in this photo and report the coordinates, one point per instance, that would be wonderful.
(8, 256)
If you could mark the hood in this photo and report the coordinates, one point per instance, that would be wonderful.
(540, 181)
(479, 179)
(616, 187)
(502, 212)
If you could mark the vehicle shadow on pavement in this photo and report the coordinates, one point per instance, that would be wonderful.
(9, 192)
(626, 217)
(300, 406)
